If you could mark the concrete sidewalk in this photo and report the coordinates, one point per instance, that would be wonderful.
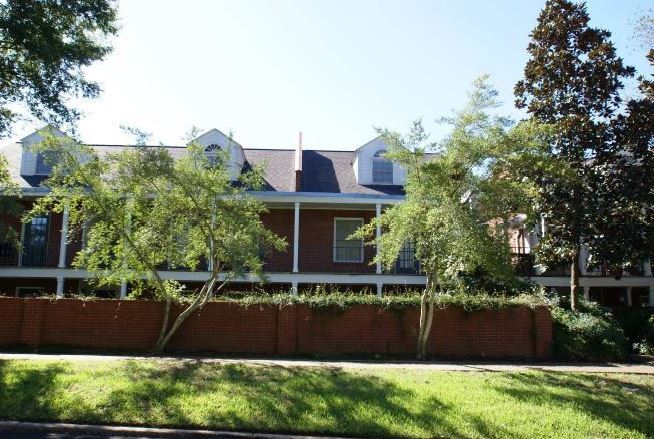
(51, 430)
(462, 366)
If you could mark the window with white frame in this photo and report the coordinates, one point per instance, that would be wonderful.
(211, 152)
(382, 168)
(345, 249)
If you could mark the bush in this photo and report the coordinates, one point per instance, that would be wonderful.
(468, 302)
(589, 334)
(638, 326)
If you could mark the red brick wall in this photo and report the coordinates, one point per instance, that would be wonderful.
(294, 330)
(54, 239)
(317, 242)
(280, 221)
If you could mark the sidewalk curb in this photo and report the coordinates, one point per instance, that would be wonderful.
(127, 431)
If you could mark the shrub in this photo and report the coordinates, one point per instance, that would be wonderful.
(589, 334)
(468, 302)
(638, 326)
(644, 344)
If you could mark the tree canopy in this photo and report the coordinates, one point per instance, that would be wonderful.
(44, 47)
(462, 197)
(573, 81)
(145, 211)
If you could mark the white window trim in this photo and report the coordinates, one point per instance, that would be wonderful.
(372, 168)
(28, 288)
(334, 241)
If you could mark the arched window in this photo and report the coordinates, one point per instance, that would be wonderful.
(211, 152)
(382, 168)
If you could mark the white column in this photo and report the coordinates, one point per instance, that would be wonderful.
(123, 289)
(543, 227)
(296, 237)
(60, 287)
(587, 293)
(651, 295)
(647, 267)
(377, 236)
(629, 301)
(63, 241)
(583, 259)
(380, 289)
(294, 288)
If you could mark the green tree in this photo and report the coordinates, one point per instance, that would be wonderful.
(461, 199)
(44, 47)
(627, 198)
(9, 192)
(145, 210)
(572, 82)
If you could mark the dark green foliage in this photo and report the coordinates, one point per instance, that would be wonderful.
(638, 326)
(573, 81)
(468, 302)
(44, 46)
(590, 333)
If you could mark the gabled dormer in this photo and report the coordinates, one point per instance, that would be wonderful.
(214, 141)
(32, 163)
(371, 167)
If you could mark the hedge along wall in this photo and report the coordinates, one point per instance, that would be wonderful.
(270, 330)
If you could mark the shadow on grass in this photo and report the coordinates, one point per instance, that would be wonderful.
(623, 404)
(196, 394)
(28, 393)
(192, 393)
(281, 399)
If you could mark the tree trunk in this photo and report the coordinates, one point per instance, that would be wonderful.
(423, 320)
(163, 342)
(426, 319)
(164, 326)
(574, 279)
(204, 295)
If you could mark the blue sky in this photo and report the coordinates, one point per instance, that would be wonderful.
(331, 68)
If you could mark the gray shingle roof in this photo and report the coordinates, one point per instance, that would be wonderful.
(322, 171)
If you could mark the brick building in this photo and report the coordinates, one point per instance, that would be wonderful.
(316, 198)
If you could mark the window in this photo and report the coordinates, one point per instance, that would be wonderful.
(382, 168)
(347, 250)
(35, 242)
(211, 152)
(43, 164)
(406, 260)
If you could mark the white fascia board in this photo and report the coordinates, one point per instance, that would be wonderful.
(326, 197)
(201, 276)
(286, 197)
(313, 278)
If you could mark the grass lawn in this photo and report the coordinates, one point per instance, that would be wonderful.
(378, 403)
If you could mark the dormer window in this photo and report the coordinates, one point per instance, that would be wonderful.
(382, 168)
(42, 165)
(211, 152)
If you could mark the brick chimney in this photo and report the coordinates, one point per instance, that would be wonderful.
(298, 165)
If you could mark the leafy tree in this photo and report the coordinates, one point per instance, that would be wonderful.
(572, 82)
(459, 200)
(145, 210)
(44, 47)
(628, 197)
(9, 206)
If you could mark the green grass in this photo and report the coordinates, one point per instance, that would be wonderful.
(377, 403)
